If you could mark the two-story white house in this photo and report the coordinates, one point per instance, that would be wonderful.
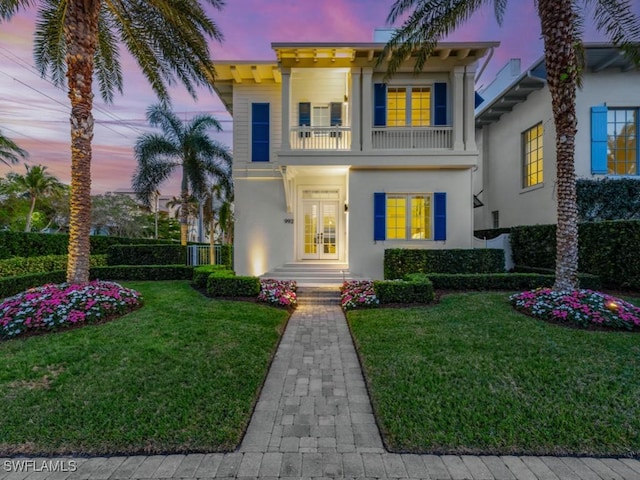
(516, 178)
(334, 162)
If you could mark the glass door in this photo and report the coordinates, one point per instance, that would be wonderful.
(320, 230)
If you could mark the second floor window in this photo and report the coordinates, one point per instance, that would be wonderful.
(532, 149)
(622, 141)
(408, 106)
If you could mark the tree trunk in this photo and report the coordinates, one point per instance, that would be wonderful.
(184, 208)
(557, 19)
(27, 227)
(80, 30)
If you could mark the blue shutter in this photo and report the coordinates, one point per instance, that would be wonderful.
(599, 140)
(440, 216)
(379, 104)
(477, 100)
(440, 104)
(259, 132)
(379, 216)
(304, 114)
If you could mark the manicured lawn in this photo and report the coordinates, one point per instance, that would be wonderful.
(181, 374)
(472, 375)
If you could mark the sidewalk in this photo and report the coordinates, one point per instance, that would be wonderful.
(314, 420)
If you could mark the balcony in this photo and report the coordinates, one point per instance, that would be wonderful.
(413, 138)
(320, 138)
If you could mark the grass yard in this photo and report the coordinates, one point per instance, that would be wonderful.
(181, 374)
(472, 375)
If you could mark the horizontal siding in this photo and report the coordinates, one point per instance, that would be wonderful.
(318, 87)
(243, 97)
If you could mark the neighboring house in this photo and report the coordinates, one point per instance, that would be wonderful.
(333, 163)
(516, 179)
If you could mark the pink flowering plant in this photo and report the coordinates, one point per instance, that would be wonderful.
(358, 293)
(278, 292)
(581, 307)
(58, 305)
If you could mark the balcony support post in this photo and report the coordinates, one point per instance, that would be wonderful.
(458, 102)
(286, 108)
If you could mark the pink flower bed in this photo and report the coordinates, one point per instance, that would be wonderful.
(278, 292)
(358, 293)
(580, 307)
(58, 305)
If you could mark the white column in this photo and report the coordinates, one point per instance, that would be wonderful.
(286, 107)
(367, 108)
(469, 108)
(355, 108)
(458, 108)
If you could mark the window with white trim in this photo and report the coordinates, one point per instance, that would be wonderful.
(409, 216)
(622, 141)
(532, 153)
(408, 106)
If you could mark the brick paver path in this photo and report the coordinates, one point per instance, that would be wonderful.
(314, 420)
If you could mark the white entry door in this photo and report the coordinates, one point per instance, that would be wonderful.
(320, 230)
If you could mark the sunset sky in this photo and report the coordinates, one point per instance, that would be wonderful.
(35, 114)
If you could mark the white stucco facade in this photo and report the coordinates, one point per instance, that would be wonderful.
(498, 181)
(309, 196)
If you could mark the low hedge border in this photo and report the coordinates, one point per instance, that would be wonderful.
(404, 291)
(18, 266)
(146, 255)
(224, 283)
(400, 261)
(504, 281)
(202, 272)
(11, 285)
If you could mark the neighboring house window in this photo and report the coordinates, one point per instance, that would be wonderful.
(410, 106)
(532, 156)
(495, 217)
(622, 141)
(415, 216)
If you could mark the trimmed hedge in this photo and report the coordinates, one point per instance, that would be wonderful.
(12, 267)
(607, 249)
(226, 254)
(404, 291)
(223, 284)
(504, 281)
(142, 272)
(201, 274)
(490, 233)
(32, 244)
(398, 261)
(146, 255)
(11, 285)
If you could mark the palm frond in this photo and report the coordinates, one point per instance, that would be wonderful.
(10, 7)
(10, 152)
(617, 20)
(50, 46)
(430, 21)
(107, 58)
(152, 146)
(148, 177)
(160, 115)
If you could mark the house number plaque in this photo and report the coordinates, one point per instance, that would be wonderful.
(288, 220)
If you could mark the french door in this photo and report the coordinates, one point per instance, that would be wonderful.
(320, 229)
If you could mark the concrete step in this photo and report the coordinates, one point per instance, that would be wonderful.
(313, 273)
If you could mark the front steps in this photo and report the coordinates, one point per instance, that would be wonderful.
(313, 274)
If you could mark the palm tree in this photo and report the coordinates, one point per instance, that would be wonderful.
(183, 146)
(10, 152)
(77, 39)
(217, 203)
(561, 24)
(35, 184)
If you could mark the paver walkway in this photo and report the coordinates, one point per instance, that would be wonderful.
(314, 420)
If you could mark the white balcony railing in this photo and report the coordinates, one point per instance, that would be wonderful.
(387, 138)
(320, 138)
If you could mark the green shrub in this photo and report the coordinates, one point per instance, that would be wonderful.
(142, 272)
(608, 199)
(222, 284)
(201, 274)
(226, 253)
(11, 285)
(504, 281)
(398, 261)
(490, 233)
(22, 244)
(16, 266)
(146, 255)
(606, 249)
(404, 291)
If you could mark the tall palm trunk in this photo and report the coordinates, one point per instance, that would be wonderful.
(557, 18)
(184, 208)
(32, 207)
(80, 30)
